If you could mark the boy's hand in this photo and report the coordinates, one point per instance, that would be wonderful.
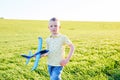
(64, 62)
(43, 55)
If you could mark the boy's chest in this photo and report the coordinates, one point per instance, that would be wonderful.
(56, 42)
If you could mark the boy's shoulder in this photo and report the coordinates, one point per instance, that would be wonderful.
(62, 35)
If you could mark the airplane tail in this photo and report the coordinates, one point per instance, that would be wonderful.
(28, 57)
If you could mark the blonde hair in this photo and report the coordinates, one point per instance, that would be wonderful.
(55, 19)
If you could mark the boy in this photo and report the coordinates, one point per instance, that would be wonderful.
(55, 45)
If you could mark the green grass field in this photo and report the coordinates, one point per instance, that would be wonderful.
(96, 56)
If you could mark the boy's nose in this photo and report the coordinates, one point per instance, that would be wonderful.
(54, 27)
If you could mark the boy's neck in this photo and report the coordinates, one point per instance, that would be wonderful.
(55, 34)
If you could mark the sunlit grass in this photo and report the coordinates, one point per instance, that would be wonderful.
(96, 56)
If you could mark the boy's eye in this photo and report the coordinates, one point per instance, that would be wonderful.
(53, 25)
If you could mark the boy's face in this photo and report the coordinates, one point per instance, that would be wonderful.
(54, 27)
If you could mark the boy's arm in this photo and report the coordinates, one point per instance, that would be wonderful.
(65, 61)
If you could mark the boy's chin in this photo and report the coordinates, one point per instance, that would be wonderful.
(55, 33)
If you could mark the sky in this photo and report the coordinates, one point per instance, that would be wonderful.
(75, 10)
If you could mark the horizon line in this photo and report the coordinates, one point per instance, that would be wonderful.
(60, 20)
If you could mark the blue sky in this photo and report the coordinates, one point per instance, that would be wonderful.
(78, 10)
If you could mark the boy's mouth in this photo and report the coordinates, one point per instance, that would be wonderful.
(54, 30)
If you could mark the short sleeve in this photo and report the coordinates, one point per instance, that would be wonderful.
(67, 40)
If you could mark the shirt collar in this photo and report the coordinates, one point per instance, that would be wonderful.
(51, 36)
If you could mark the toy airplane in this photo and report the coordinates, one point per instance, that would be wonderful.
(37, 54)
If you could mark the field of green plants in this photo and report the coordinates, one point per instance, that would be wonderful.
(96, 56)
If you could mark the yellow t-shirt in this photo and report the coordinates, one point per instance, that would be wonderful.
(55, 45)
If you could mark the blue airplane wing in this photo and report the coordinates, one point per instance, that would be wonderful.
(38, 56)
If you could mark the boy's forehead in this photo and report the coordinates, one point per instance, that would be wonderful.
(54, 23)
